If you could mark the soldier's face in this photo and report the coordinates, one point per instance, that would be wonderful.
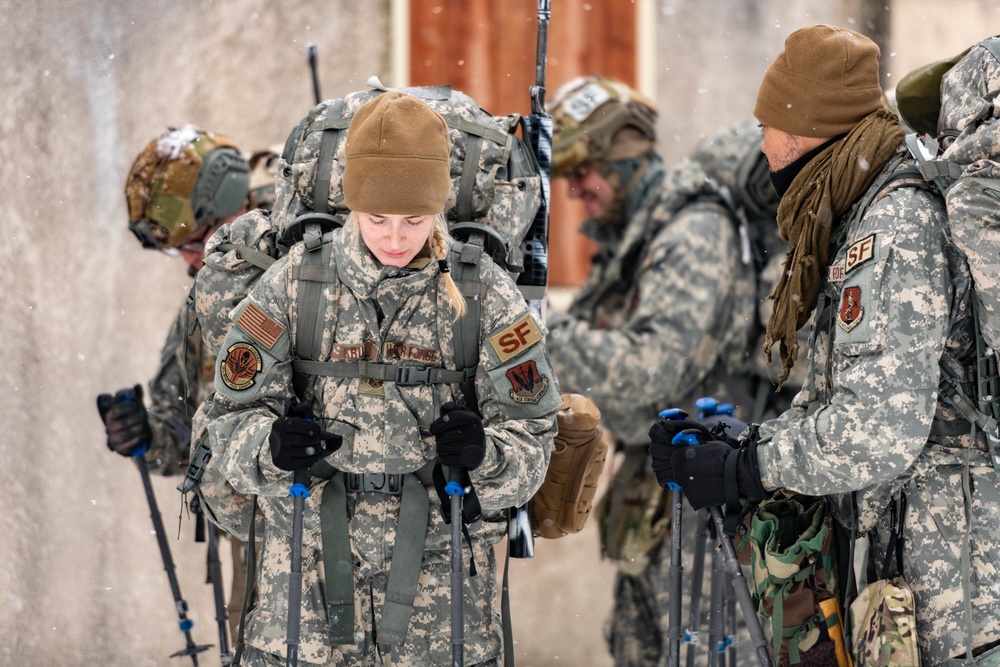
(781, 148)
(395, 239)
(592, 189)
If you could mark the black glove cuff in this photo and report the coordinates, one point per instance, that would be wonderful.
(748, 473)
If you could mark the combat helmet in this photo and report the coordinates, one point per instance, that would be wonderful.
(587, 112)
(263, 169)
(181, 181)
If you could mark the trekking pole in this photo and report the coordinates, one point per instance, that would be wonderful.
(313, 67)
(225, 656)
(742, 590)
(715, 631)
(181, 606)
(676, 575)
(697, 581)
(215, 567)
(456, 491)
(299, 493)
(730, 561)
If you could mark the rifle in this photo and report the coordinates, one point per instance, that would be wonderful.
(311, 57)
(535, 247)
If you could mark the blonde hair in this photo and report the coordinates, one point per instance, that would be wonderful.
(440, 240)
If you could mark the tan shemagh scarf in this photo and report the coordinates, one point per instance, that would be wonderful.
(823, 191)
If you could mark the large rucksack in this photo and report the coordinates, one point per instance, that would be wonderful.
(963, 160)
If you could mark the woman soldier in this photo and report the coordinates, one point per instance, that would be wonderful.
(385, 400)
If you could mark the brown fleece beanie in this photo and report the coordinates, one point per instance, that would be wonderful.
(822, 84)
(397, 158)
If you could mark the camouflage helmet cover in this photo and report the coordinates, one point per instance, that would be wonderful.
(182, 180)
(587, 112)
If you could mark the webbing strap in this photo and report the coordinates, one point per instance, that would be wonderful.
(337, 562)
(463, 202)
(313, 274)
(401, 375)
(407, 554)
(473, 128)
(251, 582)
(465, 273)
(324, 165)
(255, 257)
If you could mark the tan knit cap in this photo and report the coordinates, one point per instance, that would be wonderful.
(822, 84)
(397, 158)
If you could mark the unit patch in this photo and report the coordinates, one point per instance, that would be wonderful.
(851, 311)
(527, 386)
(859, 253)
(516, 338)
(260, 325)
(240, 366)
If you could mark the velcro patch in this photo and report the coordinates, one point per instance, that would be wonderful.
(859, 253)
(851, 309)
(835, 273)
(516, 338)
(260, 325)
(527, 385)
(240, 366)
(343, 351)
(410, 353)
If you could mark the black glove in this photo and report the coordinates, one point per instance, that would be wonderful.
(125, 420)
(297, 441)
(459, 437)
(708, 477)
(661, 448)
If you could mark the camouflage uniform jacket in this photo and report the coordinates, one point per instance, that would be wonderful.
(667, 310)
(185, 377)
(870, 421)
(385, 315)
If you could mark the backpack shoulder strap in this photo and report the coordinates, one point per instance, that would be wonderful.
(314, 274)
(466, 266)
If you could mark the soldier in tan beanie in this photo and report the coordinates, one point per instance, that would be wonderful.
(871, 264)
(386, 413)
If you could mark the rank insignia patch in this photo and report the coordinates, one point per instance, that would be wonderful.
(851, 311)
(527, 386)
(240, 367)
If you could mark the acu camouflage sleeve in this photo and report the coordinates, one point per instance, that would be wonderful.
(174, 394)
(666, 345)
(884, 366)
(252, 386)
(518, 397)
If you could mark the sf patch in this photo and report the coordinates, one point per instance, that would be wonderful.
(516, 338)
(851, 311)
(527, 385)
(240, 366)
(859, 253)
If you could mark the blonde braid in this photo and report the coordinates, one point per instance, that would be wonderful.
(439, 248)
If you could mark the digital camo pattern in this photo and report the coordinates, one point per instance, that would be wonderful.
(668, 314)
(897, 300)
(226, 276)
(968, 107)
(184, 379)
(370, 310)
(507, 205)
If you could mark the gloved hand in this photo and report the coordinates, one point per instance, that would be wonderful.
(725, 428)
(661, 448)
(459, 437)
(125, 422)
(701, 471)
(297, 441)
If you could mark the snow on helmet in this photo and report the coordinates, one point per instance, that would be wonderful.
(181, 181)
(587, 112)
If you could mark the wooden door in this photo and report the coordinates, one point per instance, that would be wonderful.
(486, 49)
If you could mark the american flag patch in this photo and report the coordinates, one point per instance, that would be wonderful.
(256, 322)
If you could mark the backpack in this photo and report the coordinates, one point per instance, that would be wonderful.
(963, 160)
(495, 194)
